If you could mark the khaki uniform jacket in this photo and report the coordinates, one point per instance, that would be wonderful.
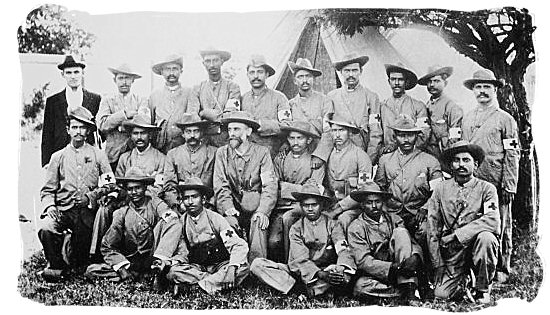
(369, 243)
(292, 172)
(110, 118)
(151, 161)
(407, 178)
(479, 200)
(73, 171)
(235, 174)
(313, 109)
(443, 114)
(265, 108)
(489, 128)
(392, 107)
(316, 245)
(183, 163)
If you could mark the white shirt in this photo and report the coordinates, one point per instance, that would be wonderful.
(74, 98)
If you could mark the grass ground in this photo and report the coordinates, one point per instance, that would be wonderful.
(524, 283)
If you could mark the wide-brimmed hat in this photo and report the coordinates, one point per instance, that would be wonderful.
(406, 124)
(69, 62)
(192, 119)
(341, 121)
(224, 55)
(482, 76)
(135, 174)
(410, 76)
(304, 64)
(124, 69)
(195, 183)
(140, 120)
(463, 146)
(367, 189)
(433, 71)
(241, 117)
(351, 58)
(302, 127)
(310, 190)
(157, 68)
(259, 61)
(83, 115)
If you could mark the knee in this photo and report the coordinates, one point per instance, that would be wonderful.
(443, 293)
(486, 239)
(257, 265)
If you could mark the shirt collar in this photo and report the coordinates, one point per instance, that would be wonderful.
(245, 156)
(344, 148)
(144, 151)
(468, 184)
(196, 150)
(262, 92)
(70, 91)
(173, 88)
(369, 220)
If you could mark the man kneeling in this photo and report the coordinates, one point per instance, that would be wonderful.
(387, 258)
(318, 255)
(209, 253)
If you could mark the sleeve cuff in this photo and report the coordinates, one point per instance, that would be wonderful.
(121, 264)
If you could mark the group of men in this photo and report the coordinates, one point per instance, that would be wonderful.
(203, 186)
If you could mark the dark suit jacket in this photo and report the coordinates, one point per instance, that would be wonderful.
(54, 130)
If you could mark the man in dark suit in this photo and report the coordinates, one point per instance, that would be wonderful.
(54, 130)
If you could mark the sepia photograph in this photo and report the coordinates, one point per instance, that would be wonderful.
(277, 158)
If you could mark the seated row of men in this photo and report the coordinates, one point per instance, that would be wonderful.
(376, 241)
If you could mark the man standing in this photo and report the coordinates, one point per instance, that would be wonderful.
(138, 234)
(319, 254)
(116, 108)
(445, 116)
(54, 131)
(245, 183)
(209, 253)
(400, 80)
(215, 96)
(195, 158)
(464, 225)
(269, 107)
(496, 132)
(387, 258)
(68, 198)
(169, 103)
(356, 104)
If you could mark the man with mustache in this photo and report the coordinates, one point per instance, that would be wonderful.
(496, 132)
(347, 167)
(245, 182)
(267, 106)
(138, 234)
(69, 197)
(399, 103)
(54, 130)
(293, 170)
(169, 103)
(354, 103)
(195, 158)
(117, 108)
(445, 116)
(319, 255)
(387, 258)
(464, 225)
(216, 95)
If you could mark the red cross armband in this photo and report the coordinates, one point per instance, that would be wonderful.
(106, 179)
(510, 144)
(434, 182)
(227, 234)
(490, 205)
(374, 119)
(455, 133)
(232, 104)
(422, 122)
(284, 114)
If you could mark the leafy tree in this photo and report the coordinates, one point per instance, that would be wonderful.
(497, 39)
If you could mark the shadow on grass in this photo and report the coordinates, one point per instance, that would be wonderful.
(524, 283)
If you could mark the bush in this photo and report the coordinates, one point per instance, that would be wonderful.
(33, 113)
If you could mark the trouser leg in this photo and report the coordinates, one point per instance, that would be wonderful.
(83, 220)
(186, 274)
(274, 274)
(102, 222)
(402, 247)
(454, 277)
(484, 259)
(212, 282)
(505, 237)
(275, 237)
(366, 285)
(289, 218)
(167, 236)
(257, 240)
(51, 236)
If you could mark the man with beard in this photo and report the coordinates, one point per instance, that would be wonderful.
(293, 170)
(267, 106)
(169, 103)
(137, 235)
(192, 159)
(348, 166)
(319, 255)
(216, 95)
(209, 252)
(144, 157)
(399, 103)
(245, 183)
(496, 132)
(356, 104)
(464, 225)
(445, 116)
(54, 130)
(116, 108)
(388, 259)
(69, 199)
